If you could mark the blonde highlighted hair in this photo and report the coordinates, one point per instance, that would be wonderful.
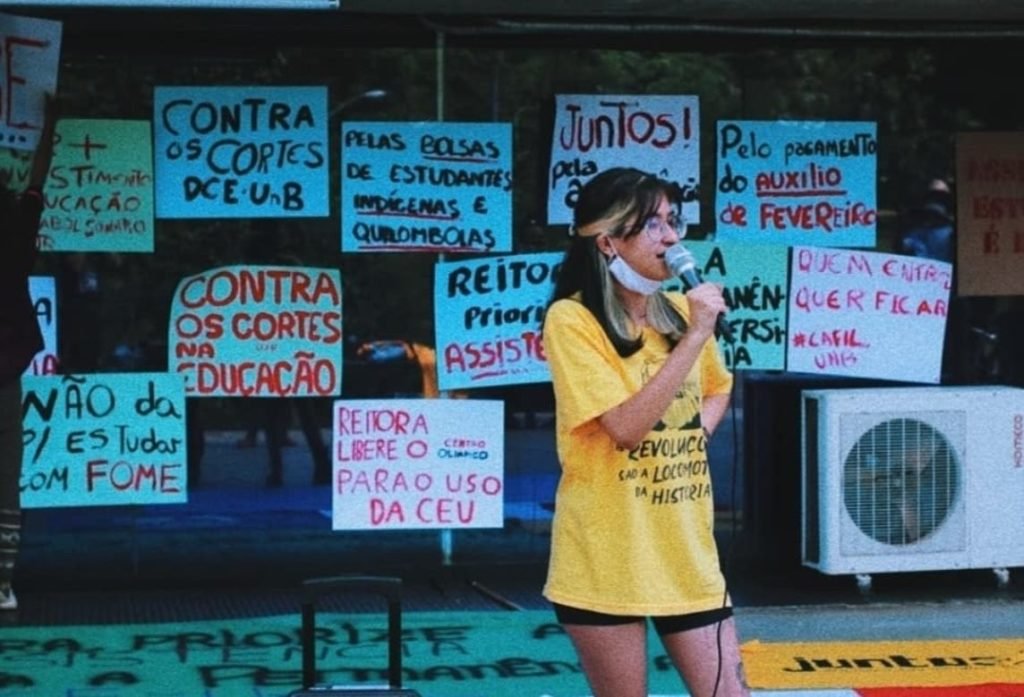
(617, 203)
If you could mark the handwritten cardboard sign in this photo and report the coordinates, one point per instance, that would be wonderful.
(29, 62)
(103, 440)
(489, 313)
(418, 463)
(43, 292)
(426, 187)
(654, 133)
(99, 191)
(241, 152)
(795, 183)
(754, 280)
(990, 213)
(258, 331)
(14, 168)
(867, 314)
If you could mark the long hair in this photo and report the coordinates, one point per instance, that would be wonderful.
(616, 202)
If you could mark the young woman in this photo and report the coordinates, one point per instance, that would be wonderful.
(639, 388)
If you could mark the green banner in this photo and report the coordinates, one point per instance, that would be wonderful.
(445, 654)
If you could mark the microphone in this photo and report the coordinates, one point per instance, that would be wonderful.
(681, 263)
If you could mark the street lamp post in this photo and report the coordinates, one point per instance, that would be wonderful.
(368, 95)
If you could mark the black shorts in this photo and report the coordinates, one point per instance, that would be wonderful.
(669, 624)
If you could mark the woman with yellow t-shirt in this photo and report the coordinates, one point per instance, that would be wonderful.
(639, 386)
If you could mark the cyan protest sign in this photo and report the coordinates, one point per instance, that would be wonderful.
(488, 318)
(99, 191)
(103, 440)
(241, 152)
(797, 182)
(867, 314)
(43, 292)
(754, 281)
(426, 187)
(258, 331)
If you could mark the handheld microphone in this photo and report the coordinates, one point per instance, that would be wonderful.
(681, 263)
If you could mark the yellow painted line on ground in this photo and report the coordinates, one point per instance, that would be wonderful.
(807, 665)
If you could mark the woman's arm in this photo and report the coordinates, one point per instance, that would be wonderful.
(634, 418)
(713, 410)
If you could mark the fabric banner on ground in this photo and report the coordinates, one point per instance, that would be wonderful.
(990, 690)
(446, 654)
(879, 664)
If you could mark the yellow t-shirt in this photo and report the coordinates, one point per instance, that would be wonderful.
(632, 530)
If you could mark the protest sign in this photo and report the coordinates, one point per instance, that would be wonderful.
(659, 134)
(418, 463)
(103, 440)
(426, 187)
(99, 191)
(43, 292)
(29, 63)
(754, 281)
(797, 183)
(990, 213)
(488, 318)
(258, 331)
(241, 152)
(867, 314)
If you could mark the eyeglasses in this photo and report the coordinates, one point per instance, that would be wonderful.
(656, 228)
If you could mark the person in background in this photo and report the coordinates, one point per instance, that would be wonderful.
(251, 435)
(268, 245)
(928, 227)
(20, 338)
(639, 388)
(391, 358)
(277, 416)
(929, 232)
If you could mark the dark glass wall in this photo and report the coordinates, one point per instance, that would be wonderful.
(244, 523)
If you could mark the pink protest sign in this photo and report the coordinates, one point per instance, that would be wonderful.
(418, 463)
(990, 213)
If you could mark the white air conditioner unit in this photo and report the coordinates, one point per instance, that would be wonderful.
(913, 479)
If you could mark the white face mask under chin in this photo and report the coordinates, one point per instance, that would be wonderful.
(630, 278)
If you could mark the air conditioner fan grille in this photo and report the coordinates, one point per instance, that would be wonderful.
(900, 481)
